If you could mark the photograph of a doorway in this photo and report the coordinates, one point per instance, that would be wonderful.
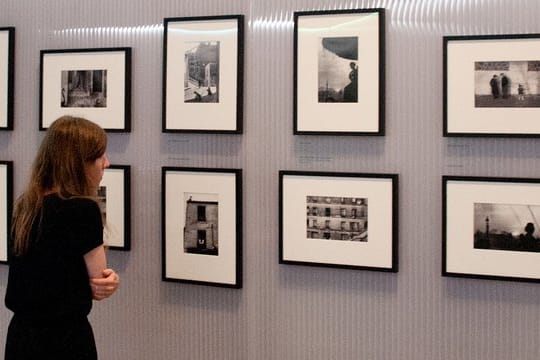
(201, 224)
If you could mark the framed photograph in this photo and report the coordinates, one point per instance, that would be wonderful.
(91, 83)
(203, 59)
(323, 220)
(115, 202)
(491, 228)
(339, 66)
(202, 226)
(6, 203)
(7, 64)
(490, 85)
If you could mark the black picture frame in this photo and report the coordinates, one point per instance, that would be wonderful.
(115, 189)
(485, 228)
(7, 76)
(488, 85)
(205, 95)
(202, 226)
(327, 69)
(94, 83)
(323, 220)
(6, 208)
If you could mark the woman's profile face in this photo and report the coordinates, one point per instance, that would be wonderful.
(94, 170)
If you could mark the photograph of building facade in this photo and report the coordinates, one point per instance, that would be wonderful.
(201, 227)
(336, 218)
(309, 309)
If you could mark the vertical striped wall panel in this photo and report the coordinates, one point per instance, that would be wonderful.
(285, 311)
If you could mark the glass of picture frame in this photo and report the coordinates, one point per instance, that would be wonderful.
(339, 77)
(202, 226)
(490, 228)
(6, 203)
(323, 220)
(115, 203)
(490, 85)
(7, 65)
(203, 74)
(91, 83)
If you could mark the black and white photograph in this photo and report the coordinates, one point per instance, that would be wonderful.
(512, 227)
(102, 201)
(6, 206)
(507, 83)
(91, 83)
(201, 79)
(338, 69)
(337, 218)
(115, 204)
(202, 226)
(7, 66)
(84, 88)
(491, 85)
(491, 228)
(339, 62)
(323, 220)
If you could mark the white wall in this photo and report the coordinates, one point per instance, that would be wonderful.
(285, 311)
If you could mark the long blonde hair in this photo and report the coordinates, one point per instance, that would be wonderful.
(69, 144)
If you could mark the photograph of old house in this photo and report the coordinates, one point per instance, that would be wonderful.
(337, 218)
(201, 224)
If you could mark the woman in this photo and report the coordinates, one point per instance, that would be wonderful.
(57, 262)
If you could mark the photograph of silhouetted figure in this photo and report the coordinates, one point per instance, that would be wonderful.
(528, 241)
(506, 227)
(494, 83)
(505, 86)
(338, 69)
(521, 92)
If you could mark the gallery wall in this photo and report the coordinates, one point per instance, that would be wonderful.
(288, 311)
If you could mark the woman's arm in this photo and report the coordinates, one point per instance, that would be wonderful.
(96, 262)
(103, 282)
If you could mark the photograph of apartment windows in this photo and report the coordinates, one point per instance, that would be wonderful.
(337, 218)
(201, 224)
